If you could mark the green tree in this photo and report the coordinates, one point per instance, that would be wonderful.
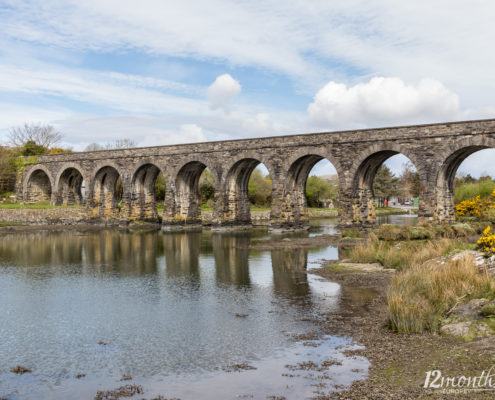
(385, 184)
(206, 186)
(7, 169)
(319, 190)
(260, 188)
(31, 148)
(160, 187)
(410, 181)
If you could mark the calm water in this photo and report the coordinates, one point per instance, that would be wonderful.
(162, 308)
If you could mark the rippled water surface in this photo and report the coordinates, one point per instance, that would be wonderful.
(162, 308)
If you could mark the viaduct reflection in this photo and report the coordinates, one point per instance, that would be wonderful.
(133, 254)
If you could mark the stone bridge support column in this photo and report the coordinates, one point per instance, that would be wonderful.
(279, 218)
(102, 199)
(289, 210)
(182, 210)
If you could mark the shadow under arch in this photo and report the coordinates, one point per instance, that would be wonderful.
(236, 207)
(187, 198)
(445, 208)
(69, 187)
(143, 203)
(104, 192)
(38, 186)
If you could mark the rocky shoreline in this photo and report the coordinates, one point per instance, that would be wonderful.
(399, 362)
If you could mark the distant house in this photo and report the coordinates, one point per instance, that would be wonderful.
(331, 179)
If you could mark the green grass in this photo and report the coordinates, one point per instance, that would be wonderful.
(42, 205)
(403, 255)
(7, 223)
(421, 296)
(470, 190)
(391, 232)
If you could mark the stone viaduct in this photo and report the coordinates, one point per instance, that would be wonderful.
(436, 150)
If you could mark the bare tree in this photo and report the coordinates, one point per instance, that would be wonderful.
(117, 144)
(94, 147)
(43, 135)
(122, 144)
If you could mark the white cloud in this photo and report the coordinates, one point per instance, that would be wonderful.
(223, 90)
(116, 91)
(382, 101)
(448, 41)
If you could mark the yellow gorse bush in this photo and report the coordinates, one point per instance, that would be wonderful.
(487, 242)
(475, 207)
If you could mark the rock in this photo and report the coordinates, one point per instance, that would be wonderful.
(470, 310)
(459, 329)
(467, 330)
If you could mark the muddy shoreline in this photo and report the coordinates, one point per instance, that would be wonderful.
(398, 361)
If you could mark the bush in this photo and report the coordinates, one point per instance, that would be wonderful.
(486, 242)
(420, 297)
(476, 206)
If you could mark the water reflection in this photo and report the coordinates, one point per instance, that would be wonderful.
(165, 303)
(289, 273)
(182, 254)
(231, 253)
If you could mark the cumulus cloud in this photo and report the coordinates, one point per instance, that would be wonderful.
(223, 90)
(382, 101)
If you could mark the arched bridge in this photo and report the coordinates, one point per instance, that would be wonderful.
(436, 150)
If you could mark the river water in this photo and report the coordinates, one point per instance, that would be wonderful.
(177, 312)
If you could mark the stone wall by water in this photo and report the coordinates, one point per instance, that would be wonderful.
(64, 216)
(71, 216)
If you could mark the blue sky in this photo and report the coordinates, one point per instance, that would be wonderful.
(163, 72)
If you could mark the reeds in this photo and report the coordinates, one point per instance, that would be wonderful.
(419, 297)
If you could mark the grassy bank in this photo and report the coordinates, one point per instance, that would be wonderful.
(394, 211)
(420, 297)
(406, 254)
(42, 205)
(430, 281)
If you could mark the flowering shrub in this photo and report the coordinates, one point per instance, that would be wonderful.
(487, 242)
(475, 207)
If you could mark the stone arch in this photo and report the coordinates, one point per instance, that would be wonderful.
(363, 172)
(318, 152)
(38, 185)
(174, 172)
(187, 199)
(104, 192)
(236, 207)
(142, 200)
(69, 184)
(294, 210)
(457, 152)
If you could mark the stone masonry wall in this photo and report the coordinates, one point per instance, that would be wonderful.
(436, 150)
(64, 216)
